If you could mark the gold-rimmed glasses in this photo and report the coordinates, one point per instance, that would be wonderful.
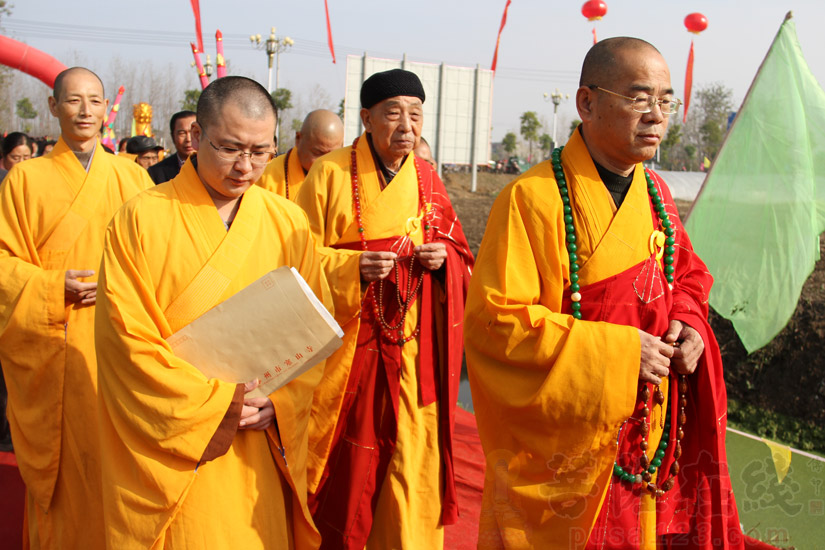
(644, 103)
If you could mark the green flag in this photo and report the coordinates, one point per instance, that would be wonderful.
(757, 220)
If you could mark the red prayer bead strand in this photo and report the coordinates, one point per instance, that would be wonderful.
(393, 333)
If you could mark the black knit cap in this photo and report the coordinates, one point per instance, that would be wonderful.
(392, 83)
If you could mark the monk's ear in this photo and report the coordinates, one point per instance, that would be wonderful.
(53, 106)
(366, 120)
(196, 131)
(585, 98)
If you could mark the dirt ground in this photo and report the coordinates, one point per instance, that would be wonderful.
(786, 377)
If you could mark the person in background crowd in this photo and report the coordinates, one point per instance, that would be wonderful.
(145, 150)
(180, 126)
(321, 133)
(17, 147)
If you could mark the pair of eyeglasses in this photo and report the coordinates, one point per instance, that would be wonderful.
(233, 155)
(645, 103)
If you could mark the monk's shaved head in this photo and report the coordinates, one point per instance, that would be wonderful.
(322, 122)
(321, 133)
(58, 81)
(246, 94)
(603, 64)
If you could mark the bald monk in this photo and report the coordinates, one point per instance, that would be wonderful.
(321, 133)
(381, 466)
(53, 214)
(423, 151)
(189, 462)
(596, 379)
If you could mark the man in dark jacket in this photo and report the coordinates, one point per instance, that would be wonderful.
(168, 168)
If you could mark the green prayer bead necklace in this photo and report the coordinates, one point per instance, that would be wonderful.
(649, 467)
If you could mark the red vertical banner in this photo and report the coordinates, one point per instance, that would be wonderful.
(220, 60)
(196, 9)
(498, 38)
(329, 32)
(199, 65)
(688, 82)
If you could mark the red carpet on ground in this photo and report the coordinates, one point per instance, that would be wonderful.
(11, 503)
(469, 473)
(469, 480)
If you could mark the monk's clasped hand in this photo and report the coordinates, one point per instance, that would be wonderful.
(257, 413)
(77, 291)
(431, 255)
(687, 354)
(375, 265)
(655, 358)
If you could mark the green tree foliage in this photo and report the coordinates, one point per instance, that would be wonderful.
(190, 100)
(341, 109)
(573, 126)
(530, 129)
(546, 144)
(283, 99)
(25, 109)
(668, 147)
(716, 102)
(686, 145)
(509, 143)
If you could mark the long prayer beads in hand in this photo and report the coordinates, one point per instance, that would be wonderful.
(393, 333)
(649, 467)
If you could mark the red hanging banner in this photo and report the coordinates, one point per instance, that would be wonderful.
(688, 82)
(498, 38)
(196, 9)
(329, 32)
(695, 23)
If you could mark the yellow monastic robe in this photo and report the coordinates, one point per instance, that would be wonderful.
(551, 392)
(408, 512)
(53, 216)
(169, 259)
(276, 178)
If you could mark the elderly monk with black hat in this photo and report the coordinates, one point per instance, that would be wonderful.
(380, 467)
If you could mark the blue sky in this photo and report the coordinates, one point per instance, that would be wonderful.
(542, 46)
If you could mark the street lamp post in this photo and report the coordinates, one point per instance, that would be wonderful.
(556, 97)
(273, 46)
(208, 67)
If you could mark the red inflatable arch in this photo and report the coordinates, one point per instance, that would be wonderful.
(31, 61)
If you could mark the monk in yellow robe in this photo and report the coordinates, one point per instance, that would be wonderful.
(381, 468)
(53, 215)
(188, 462)
(321, 133)
(596, 379)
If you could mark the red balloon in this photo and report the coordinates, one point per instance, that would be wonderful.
(696, 23)
(594, 10)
